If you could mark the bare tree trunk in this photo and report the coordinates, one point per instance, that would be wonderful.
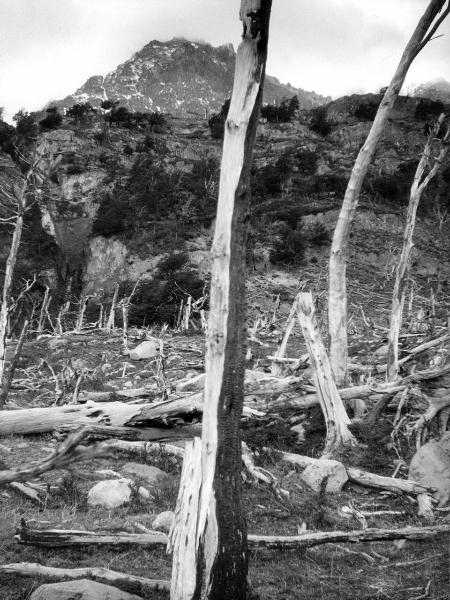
(221, 557)
(19, 196)
(419, 184)
(110, 323)
(337, 298)
(8, 377)
(336, 418)
(44, 307)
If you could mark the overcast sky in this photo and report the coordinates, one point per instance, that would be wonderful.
(48, 48)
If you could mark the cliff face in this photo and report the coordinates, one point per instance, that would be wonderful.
(178, 77)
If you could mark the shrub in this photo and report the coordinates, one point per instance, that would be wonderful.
(217, 121)
(386, 186)
(112, 216)
(317, 233)
(319, 121)
(330, 182)
(280, 113)
(428, 109)
(80, 110)
(53, 120)
(289, 246)
(305, 161)
(366, 111)
(158, 301)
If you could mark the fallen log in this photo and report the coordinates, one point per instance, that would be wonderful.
(118, 414)
(57, 538)
(358, 476)
(123, 581)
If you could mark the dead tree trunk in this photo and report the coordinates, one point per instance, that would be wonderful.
(17, 196)
(220, 549)
(336, 418)
(337, 298)
(421, 180)
(5, 384)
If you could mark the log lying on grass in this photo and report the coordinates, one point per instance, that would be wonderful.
(123, 581)
(118, 414)
(64, 538)
(358, 476)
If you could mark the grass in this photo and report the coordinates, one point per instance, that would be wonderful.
(326, 572)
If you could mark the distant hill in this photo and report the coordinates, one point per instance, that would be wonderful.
(435, 90)
(178, 77)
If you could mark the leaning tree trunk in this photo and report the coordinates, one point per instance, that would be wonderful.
(220, 531)
(419, 184)
(337, 298)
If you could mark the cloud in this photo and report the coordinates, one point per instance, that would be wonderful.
(48, 48)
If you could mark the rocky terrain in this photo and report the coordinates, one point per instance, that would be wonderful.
(178, 77)
(122, 210)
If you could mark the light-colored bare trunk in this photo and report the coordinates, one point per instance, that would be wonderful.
(337, 295)
(419, 185)
(220, 548)
(112, 312)
(336, 418)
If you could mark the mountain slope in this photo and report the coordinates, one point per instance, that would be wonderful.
(435, 90)
(179, 77)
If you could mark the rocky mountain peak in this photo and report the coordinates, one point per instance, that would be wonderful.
(178, 76)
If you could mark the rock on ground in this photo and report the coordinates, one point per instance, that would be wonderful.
(163, 521)
(328, 473)
(111, 493)
(81, 589)
(147, 473)
(147, 349)
(430, 466)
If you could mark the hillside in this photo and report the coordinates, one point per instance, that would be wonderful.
(178, 77)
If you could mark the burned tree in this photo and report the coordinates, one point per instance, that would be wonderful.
(210, 543)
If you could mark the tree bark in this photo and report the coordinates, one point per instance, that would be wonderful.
(8, 377)
(418, 187)
(337, 296)
(220, 530)
(335, 415)
(60, 538)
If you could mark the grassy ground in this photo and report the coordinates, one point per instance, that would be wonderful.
(388, 570)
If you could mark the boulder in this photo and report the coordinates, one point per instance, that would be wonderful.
(299, 429)
(430, 466)
(146, 473)
(81, 589)
(163, 522)
(110, 493)
(330, 474)
(147, 349)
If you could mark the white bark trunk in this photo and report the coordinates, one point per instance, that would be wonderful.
(337, 298)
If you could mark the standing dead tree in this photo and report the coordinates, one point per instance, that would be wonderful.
(337, 299)
(440, 135)
(217, 553)
(335, 415)
(13, 190)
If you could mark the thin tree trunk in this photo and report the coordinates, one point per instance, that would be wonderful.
(44, 307)
(19, 196)
(220, 559)
(8, 377)
(337, 298)
(112, 312)
(335, 415)
(398, 296)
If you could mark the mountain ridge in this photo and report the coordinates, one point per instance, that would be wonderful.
(180, 77)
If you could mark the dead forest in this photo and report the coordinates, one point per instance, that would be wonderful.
(263, 445)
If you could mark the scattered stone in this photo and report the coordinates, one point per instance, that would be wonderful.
(21, 446)
(144, 493)
(163, 522)
(107, 474)
(151, 475)
(430, 466)
(300, 431)
(147, 349)
(81, 589)
(111, 493)
(328, 473)
(381, 351)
